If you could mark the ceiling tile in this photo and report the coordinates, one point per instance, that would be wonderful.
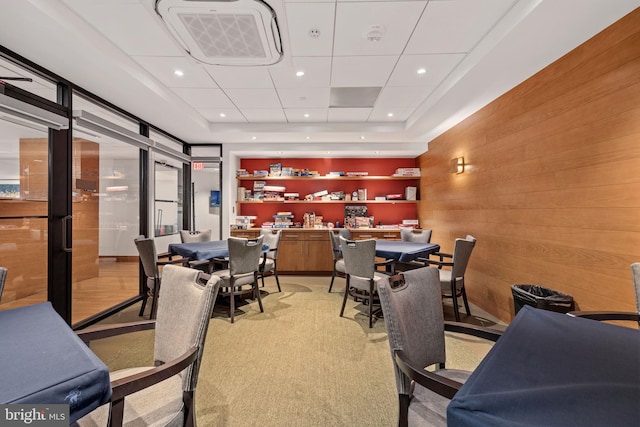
(304, 97)
(402, 96)
(437, 66)
(455, 25)
(163, 68)
(317, 72)
(361, 71)
(394, 21)
(380, 114)
(254, 98)
(298, 114)
(263, 115)
(240, 77)
(123, 24)
(348, 114)
(204, 98)
(230, 115)
(310, 28)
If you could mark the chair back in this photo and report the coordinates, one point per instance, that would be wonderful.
(187, 236)
(183, 317)
(359, 257)
(414, 319)
(413, 235)
(335, 241)
(635, 272)
(461, 253)
(244, 255)
(271, 237)
(3, 278)
(148, 256)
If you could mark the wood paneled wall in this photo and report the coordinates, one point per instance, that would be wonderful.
(552, 186)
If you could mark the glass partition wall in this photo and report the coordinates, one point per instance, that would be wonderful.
(77, 185)
(106, 212)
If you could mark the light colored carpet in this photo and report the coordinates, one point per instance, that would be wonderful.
(297, 364)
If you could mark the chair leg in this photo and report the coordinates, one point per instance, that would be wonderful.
(190, 417)
(455, 300)
(257, 291)
(466, 302)
(371, 304)
(232, 300)
(144, 302)
(154, 299)
(275, 273)
(346, 295)
(403, 413)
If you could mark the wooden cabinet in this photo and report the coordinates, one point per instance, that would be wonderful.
(375, 233)
(301, 250)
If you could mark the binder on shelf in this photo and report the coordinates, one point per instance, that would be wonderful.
(410, 193)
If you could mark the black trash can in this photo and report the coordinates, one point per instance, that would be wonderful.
(539, 297)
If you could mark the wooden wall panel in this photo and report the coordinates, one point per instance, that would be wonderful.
(552, 187)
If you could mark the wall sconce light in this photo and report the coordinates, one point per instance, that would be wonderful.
(457, 165)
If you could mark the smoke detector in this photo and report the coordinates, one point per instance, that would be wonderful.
(226, 32)
(374, 33)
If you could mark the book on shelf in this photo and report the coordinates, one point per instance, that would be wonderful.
(394, 196)
(292, 196)
(320, 193)
(277, 188)
(336, 173)
(407, 172)
(275, 169)
(260, 173)
(357, 173)
(410, 193)
(286, 171)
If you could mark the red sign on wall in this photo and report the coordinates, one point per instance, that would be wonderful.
(197, 166)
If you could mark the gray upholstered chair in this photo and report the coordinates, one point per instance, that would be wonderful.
(415, 235)
(244, 265)
(150, 264)
(163, 395)
(415, 328)
(617, 315)
(452, 277)
(362, 277)
(187, 236)
(269, 266)
(3, 278)
(338, 261)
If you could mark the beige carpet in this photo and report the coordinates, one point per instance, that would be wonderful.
(297, 364)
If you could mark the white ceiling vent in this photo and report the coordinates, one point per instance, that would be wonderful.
(226, 32)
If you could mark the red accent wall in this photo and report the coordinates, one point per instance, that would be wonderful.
(386, 213)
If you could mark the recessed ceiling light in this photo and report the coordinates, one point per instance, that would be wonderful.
(299, 73)
(421, 71)
(306, 114)
(308, 137)
(362, 137)
(179, 73)
(254, 137)
(223, 115)
(389, 114)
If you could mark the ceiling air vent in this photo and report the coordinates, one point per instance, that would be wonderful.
(235, 32)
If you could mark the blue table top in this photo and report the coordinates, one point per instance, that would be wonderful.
(43, 361)
(404, 251)
(550, 369)
(204, 250)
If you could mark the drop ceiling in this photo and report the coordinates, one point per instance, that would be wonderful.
(379, 76)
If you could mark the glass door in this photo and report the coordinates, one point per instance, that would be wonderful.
(106, 214)
(24, 182)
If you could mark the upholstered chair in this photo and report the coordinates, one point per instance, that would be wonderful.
(164, 394)
(269, 266)
(413, 315)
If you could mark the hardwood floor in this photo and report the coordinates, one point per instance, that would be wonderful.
(116, 281)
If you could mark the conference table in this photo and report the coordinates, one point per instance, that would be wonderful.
(204, 250)
(44, 362)
(403, 252)
(550, 369)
